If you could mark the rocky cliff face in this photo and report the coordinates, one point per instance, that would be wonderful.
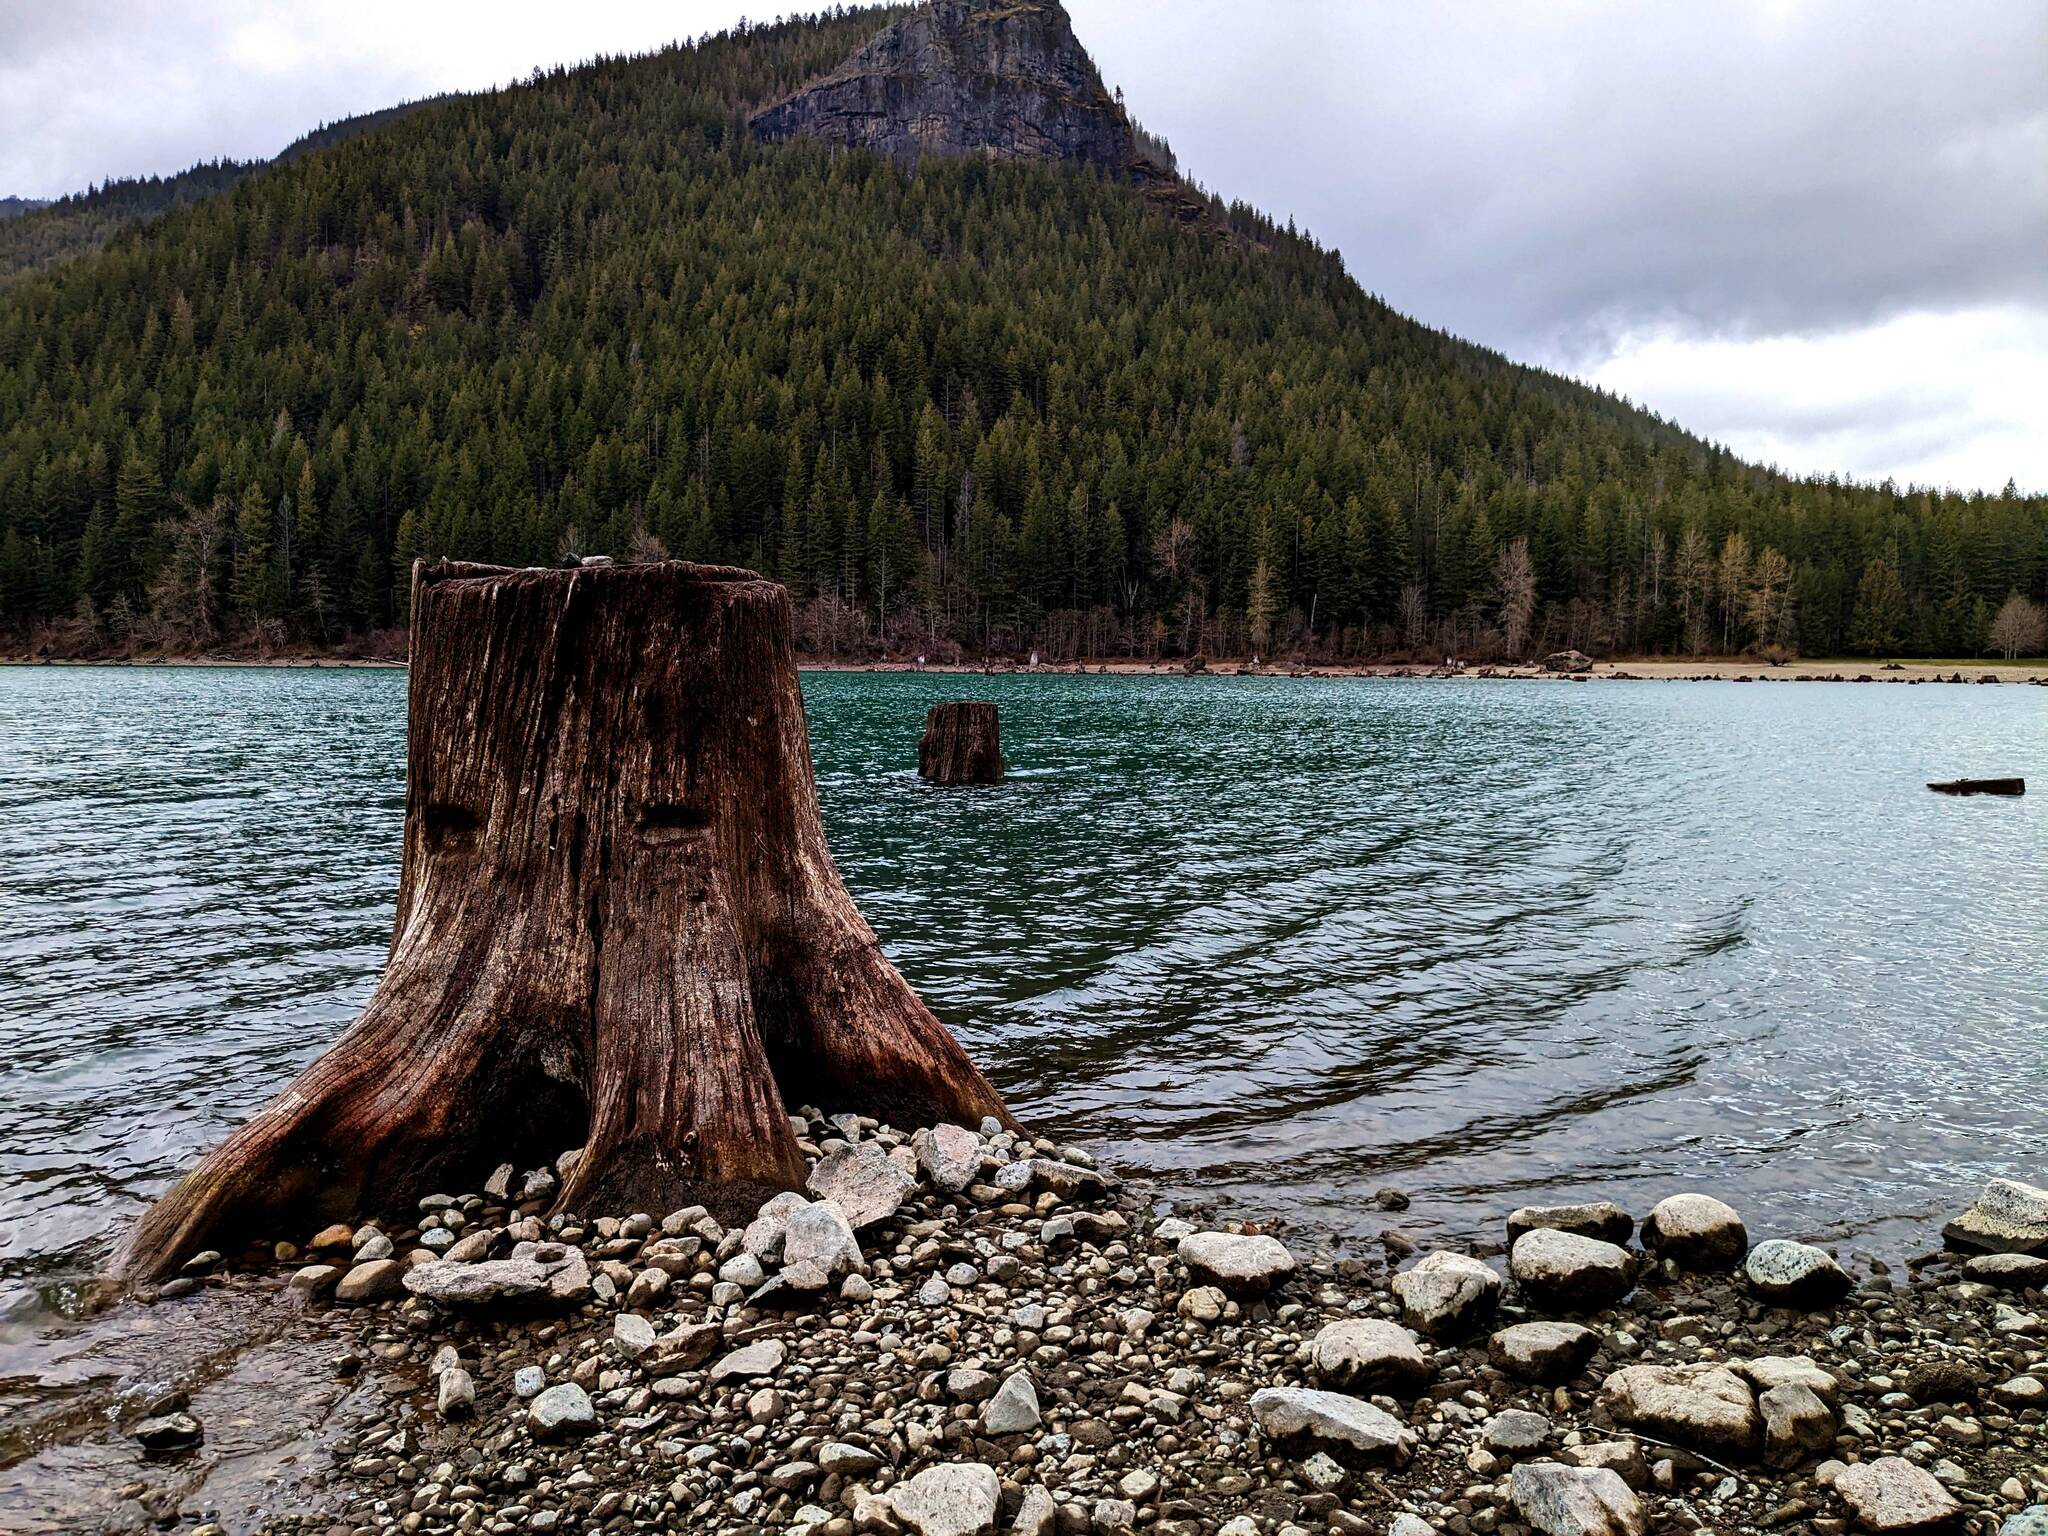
(966, 77)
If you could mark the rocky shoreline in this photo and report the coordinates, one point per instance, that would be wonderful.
(963, 1332)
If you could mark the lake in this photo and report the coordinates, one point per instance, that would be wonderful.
(1271, 943)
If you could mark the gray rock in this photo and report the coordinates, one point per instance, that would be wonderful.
(455, 1398)
(1515, 1431)
(934, 1293)
(1567, 661)
(864, 1181)
(2009, 1217)
(744, 1269)
(376, 1246)
(949, 1155)
(537, 1275)
(1349, 1429)
(1447, 1295)
(1545, 1352)
(1013, 1410)
(529, 1381)
(1696, 1232)
(1624, 1458)
(1600, 1218)
(2031, 1521)
(1570, 1272)
(1370, 1355)
(820, 1235)
(378, 1280)
(750, 1362)
(1891, 1494)
(1576, 1501)
(2011, 1271)
(168, 1432)
(498, 1186)
(683, 1348)
(765, 1233)
(1768, 1371)
(1789, 1274)
(1705, 1406)
(968, 1385)
(1244, 1267)
(1037, 1515)
(632, 1334)
(1798, 1426)
(838, 1459)
(562, 1412)
(315, 1281)
(1112, 1516)
(1403, 1525)
(953, 1499)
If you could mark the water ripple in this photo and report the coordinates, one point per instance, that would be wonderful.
(1279, 941)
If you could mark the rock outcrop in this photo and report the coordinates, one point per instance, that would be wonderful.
(961, 77)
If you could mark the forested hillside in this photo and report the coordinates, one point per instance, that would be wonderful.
(35, 234)
(969, 402)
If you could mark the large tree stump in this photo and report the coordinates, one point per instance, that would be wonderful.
(619, 927)
(962, 744)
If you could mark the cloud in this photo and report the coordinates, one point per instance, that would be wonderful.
(1666, 196)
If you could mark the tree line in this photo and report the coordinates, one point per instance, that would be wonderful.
(968, 405)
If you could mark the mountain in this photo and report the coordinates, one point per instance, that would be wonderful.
(36, 234)
(903, 308)
(960, 77)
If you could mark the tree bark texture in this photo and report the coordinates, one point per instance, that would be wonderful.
(962, 744)
(619, 927)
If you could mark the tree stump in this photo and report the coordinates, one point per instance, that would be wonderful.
(962, 744)
(619, 927)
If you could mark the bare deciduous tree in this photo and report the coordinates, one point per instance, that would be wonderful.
(1514, 580)
(2021, 628)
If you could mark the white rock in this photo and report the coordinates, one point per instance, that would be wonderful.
(1447, 1294)
(1244, 1267)
(1891, 1494)
(560, 1412)
(954, 1499)
(749, 1362)
(1348, 1428)
(949, 1156)
(1370, 1355)
(820, 1235)
(633, 1334)
(864, 1181)
(2009, 1217)
(1013, 1409)
(455, 1397)
(536, 1275)
(1038, 1515)
(1576, 1501)
(764, 1234)
(1703, 1405)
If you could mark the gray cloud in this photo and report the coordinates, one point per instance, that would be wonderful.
(1596, 186)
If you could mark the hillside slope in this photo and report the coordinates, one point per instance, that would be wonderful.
(36, 234)
(984, 399)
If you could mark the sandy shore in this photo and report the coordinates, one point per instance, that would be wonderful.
(1659, 668)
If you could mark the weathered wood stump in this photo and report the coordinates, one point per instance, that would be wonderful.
(962, 744)
(619, 927)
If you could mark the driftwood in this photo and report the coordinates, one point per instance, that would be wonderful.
(962, 744)
(619, 928)
(1980, 787)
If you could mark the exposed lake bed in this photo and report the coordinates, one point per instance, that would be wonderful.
(1266, 944)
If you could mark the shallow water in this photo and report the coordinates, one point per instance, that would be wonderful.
(1273, 942)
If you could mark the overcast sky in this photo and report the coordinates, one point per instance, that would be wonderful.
(1817, 232)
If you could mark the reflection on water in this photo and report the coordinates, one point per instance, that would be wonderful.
(1281, 942)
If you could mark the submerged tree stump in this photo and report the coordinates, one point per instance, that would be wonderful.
(619, 927)
(962, 744)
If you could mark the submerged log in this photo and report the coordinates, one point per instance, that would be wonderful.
(962, 744)
(1980, 787)
(619, 928)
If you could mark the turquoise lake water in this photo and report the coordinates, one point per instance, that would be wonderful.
(1270, 943)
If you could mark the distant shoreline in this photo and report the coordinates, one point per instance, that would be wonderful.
(1640, 669)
